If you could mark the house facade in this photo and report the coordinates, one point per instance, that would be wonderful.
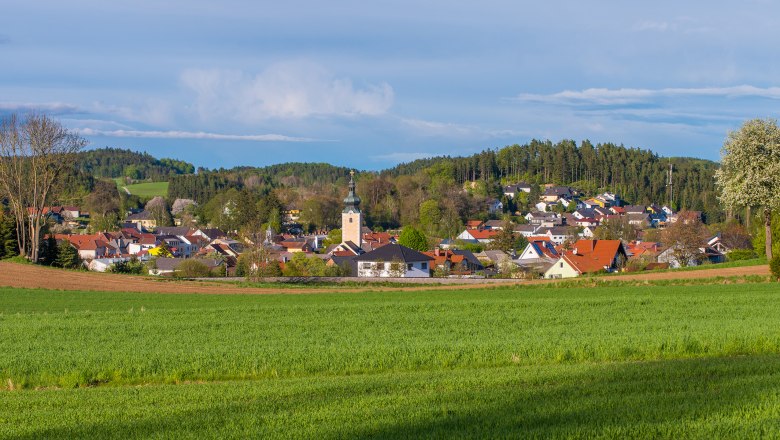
(393, 261)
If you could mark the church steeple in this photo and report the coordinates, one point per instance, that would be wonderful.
(352, 201)
(351, 217)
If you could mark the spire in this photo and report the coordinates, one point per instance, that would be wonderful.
(352, 201)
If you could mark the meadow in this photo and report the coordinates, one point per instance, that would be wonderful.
(146, 189)
(622, 361)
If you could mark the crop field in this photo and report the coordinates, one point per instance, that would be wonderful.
(640, 361)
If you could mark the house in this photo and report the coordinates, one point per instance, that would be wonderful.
(557, 234)
(143, 219)
(589, 256)
(394, 260)
(553, 193)
(704, 254)
(538, 249)
(588, 232)
(474, 224)
(545, 206)
(537, 256)
(294, 246)
(595, 202)
(643, 250)
(513, 190)
(494, 206)
(546, 219)
(455, 262)
(525, 230)
(641, 220)
(494, 224)
(481, 235)
(210, 234)
(635, 209)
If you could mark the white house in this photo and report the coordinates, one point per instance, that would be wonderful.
(494, 206)
(394, 261)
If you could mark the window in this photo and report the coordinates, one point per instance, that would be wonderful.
(561, 264)
(366, 265)
(350, 219)
(409, 266)
(424, 265)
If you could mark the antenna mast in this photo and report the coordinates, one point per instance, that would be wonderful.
(670, 185)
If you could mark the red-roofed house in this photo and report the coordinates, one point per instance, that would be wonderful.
(589, 256)
(481, 235)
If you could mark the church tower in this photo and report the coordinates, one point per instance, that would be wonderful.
(351, 217)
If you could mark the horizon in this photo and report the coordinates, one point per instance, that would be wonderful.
(372, 86)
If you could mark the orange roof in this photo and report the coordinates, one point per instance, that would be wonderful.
(483, 233)
(540, 238)
(593, 255)
(583, 264)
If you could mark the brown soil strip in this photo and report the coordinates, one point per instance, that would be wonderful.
(32, 276)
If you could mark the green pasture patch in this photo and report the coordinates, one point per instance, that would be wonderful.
(77, 339)
(736, 397)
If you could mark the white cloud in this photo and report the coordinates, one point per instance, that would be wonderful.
(432, 128)
(602, 96)
(658, 26)
(283, 90)
(45, 107)
(151, 111)
(191, 135)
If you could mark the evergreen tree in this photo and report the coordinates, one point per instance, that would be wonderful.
(67, 256)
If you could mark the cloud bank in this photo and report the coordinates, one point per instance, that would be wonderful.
(191, 135)
(600, 96)
(283, 90)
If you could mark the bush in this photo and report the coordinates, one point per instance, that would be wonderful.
(192, 269)
(774, 266)
(134, 266)
(741, 254)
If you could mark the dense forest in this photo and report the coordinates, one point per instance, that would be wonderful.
(639, 176)
(116, 162)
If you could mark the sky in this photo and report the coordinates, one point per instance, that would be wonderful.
(372, 84)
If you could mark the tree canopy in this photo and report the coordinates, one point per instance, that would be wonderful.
(750, 166)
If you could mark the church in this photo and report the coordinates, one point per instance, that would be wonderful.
(388, 260)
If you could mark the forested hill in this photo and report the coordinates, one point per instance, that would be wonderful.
(206, 184)
(640, 176)
(116, 162)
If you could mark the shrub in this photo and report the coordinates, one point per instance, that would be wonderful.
(192, 269)
(774, 266)
(741, 254)
(134, 266)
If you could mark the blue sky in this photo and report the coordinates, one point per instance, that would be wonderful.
(371, 84)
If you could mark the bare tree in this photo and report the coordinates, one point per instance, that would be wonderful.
(34, 152)
(686, 237)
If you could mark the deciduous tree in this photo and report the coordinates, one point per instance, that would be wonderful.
(34, 152)
(749, 170)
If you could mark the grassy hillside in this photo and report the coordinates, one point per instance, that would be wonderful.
(146, 189)
(615, 361)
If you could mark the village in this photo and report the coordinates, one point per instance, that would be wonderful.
(565, 235)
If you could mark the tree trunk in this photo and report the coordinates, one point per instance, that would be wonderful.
(768, 232)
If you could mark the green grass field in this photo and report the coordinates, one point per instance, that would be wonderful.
(146, 189)
(627, 361)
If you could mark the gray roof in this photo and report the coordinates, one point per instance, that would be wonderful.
(172, 230)
(143, 215)
(391, 252)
